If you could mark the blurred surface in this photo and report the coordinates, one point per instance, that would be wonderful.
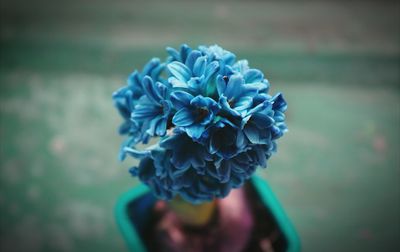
(337, 171)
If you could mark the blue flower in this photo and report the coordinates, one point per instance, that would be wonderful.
(146, 173)
(216, 52)
(127, 97)
(226, 140)
(252, 77)
(257, 123)
(153, 108)
(193, 113)
(194, 74)
(213, 115)
(179, 56)
(279, 107)
(235, 170)
(235, 96)
(185, 152)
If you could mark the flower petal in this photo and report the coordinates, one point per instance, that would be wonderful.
(181, 162)
(258, 86)
(261, 157)
(226, 107)
(180, 99)
(211, 69)
(199, 101)
(195, 131)
(279, 103)
(154, 125)
(196, 83)
(198, 161)
(224, 171)
(253, 75)
(161, 127)
(174, 53)
(221, 85)
(177, 83)
(185, 50)
(252, 133)
(243, 103)
(191, 59)
(262, 121)
(146, 169)
(150, 66)
(179, 70)
(152, 90)
(166, 108)
(233, 87)
(183, 118)
(139, 154)
(240, 140)
(200, 66)
(229, 58)
(241, 66)
(133, 79)
(213, 146)
(124, 127)
(276, 132)
(144, 112)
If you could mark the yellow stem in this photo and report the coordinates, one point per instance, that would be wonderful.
(191, 214)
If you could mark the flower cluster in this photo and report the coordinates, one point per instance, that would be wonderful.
(213, 115)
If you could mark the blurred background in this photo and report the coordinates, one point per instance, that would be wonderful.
(337, 171)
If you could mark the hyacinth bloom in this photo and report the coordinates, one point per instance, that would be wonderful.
(234, 95)
(194, 113)
(153, 108)
(213, 115)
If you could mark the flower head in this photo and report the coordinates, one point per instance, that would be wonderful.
(213, 114)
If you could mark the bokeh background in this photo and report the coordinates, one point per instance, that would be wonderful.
(337, 172)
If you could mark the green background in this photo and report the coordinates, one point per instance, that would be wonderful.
(337, 171)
